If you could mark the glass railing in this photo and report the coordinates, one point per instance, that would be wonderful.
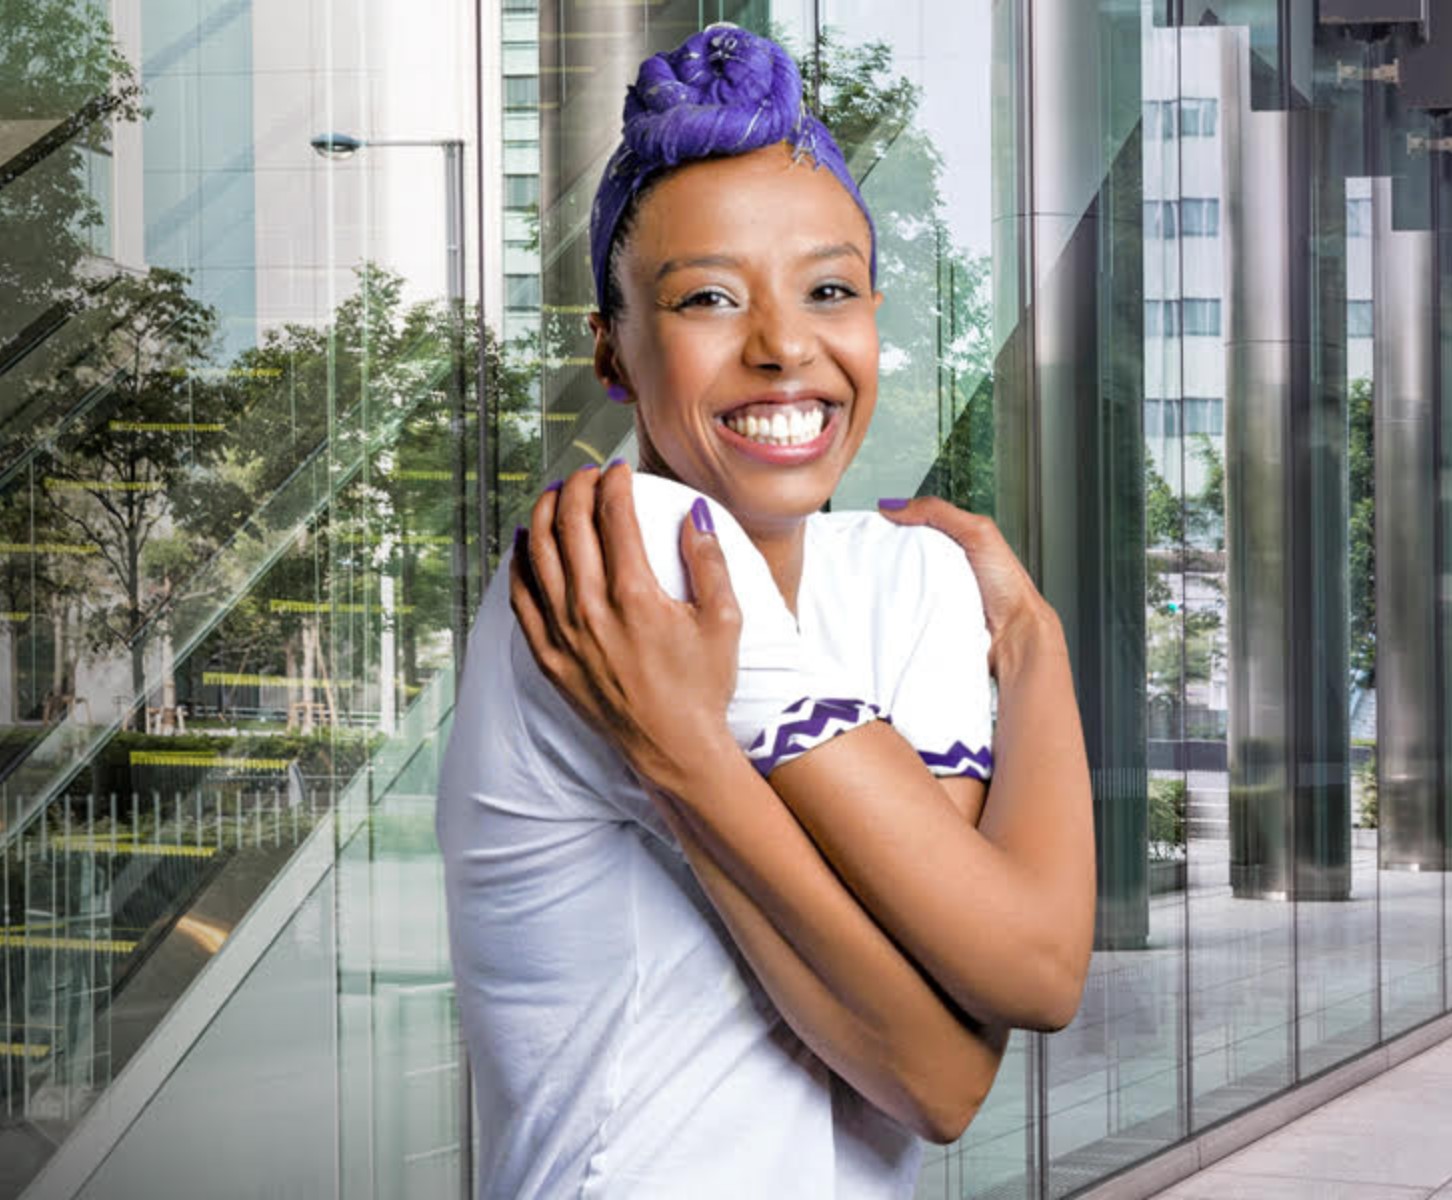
(334, 991)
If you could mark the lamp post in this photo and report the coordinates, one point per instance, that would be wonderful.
(338, 146)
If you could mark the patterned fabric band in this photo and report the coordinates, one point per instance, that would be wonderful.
(959, 760)
(804, 726)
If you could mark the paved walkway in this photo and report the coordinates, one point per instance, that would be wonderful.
(1389, 1139)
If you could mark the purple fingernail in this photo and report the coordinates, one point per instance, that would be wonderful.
(891, 503)
(615, 462)
(617, 393)
(555, 486)
(701, 516)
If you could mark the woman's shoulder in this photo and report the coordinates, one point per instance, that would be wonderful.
(870, 540)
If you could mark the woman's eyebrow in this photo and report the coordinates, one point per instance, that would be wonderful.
(836, 250)
(700, 260)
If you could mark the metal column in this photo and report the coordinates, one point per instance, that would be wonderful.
(1068, 400)
(1412, 817)
(1285, 501)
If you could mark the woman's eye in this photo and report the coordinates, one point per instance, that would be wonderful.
(706, 298)
(833, 291)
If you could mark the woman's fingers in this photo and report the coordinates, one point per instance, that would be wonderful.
(706, 569)
(546, 570)
(627, 568)
(578, 545)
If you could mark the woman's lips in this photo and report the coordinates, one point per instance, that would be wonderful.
(787, 456)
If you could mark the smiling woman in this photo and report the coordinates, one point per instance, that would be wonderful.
(730, 914)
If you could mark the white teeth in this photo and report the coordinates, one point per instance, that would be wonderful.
(781, 428)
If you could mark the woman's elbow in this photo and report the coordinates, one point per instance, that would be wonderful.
(1056, 1004)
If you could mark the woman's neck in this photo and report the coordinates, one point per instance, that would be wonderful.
(784, 548)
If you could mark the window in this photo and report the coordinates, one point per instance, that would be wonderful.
(1159, 218)
(1161, 318)
(1197, 117)
(1204, 414)
(1358, 217)
(1200, 218)
(1192, 116)
(520, 191)
(521, 291)
(1154, 119)
(521, 91)
(1359, 319)
(521, 5)
(1202, 318)
(1161, 418)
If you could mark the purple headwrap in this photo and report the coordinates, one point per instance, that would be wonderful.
(722, 91)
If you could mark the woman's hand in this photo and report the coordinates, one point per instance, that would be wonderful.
(1012, 604)
(652, 674)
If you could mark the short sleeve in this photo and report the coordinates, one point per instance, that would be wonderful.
(941, 699)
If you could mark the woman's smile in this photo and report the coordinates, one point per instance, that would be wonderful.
(782, 432)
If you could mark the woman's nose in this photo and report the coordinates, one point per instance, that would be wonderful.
(781, 338)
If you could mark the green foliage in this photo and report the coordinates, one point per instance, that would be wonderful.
(1164, 512)
(62, 80)
(1361, 547)
(1367, 813)
(1167, 807)
(1182, 646)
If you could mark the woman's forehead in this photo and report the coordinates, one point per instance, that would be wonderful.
(767, 201)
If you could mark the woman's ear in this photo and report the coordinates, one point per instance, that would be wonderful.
(608, 369)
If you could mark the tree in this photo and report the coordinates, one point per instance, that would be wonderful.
(65, 80)
(113, 474)
(934, 418)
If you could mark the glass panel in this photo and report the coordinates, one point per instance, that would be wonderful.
(273, 1037)
(239, 526)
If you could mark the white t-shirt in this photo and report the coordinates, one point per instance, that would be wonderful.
(622, 1047)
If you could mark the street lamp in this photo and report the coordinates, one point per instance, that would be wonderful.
(340, 146)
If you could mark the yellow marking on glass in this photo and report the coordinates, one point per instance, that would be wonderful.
(127, 845)
(102, 485)
(49, 548)
(311, 606)
(185, 758)
(590, 450)
(23, 1050)
(166, 426)
(103, 945)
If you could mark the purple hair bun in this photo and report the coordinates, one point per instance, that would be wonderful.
(722, 91)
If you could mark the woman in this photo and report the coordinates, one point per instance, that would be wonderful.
(728, 912)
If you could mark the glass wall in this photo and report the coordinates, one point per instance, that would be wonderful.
(240, 538)
(292, 325)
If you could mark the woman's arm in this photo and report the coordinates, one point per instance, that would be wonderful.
(865, 1011)
(837, 979)
(1001, 915)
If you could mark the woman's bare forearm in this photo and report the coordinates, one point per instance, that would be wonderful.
(1001, 916)
(837, 980)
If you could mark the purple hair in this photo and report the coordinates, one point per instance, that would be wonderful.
(722, 91)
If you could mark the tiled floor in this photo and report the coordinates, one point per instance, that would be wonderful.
(1389, 1139)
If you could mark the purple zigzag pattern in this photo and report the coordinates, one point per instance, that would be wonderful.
(821, 721)
(959, 760)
